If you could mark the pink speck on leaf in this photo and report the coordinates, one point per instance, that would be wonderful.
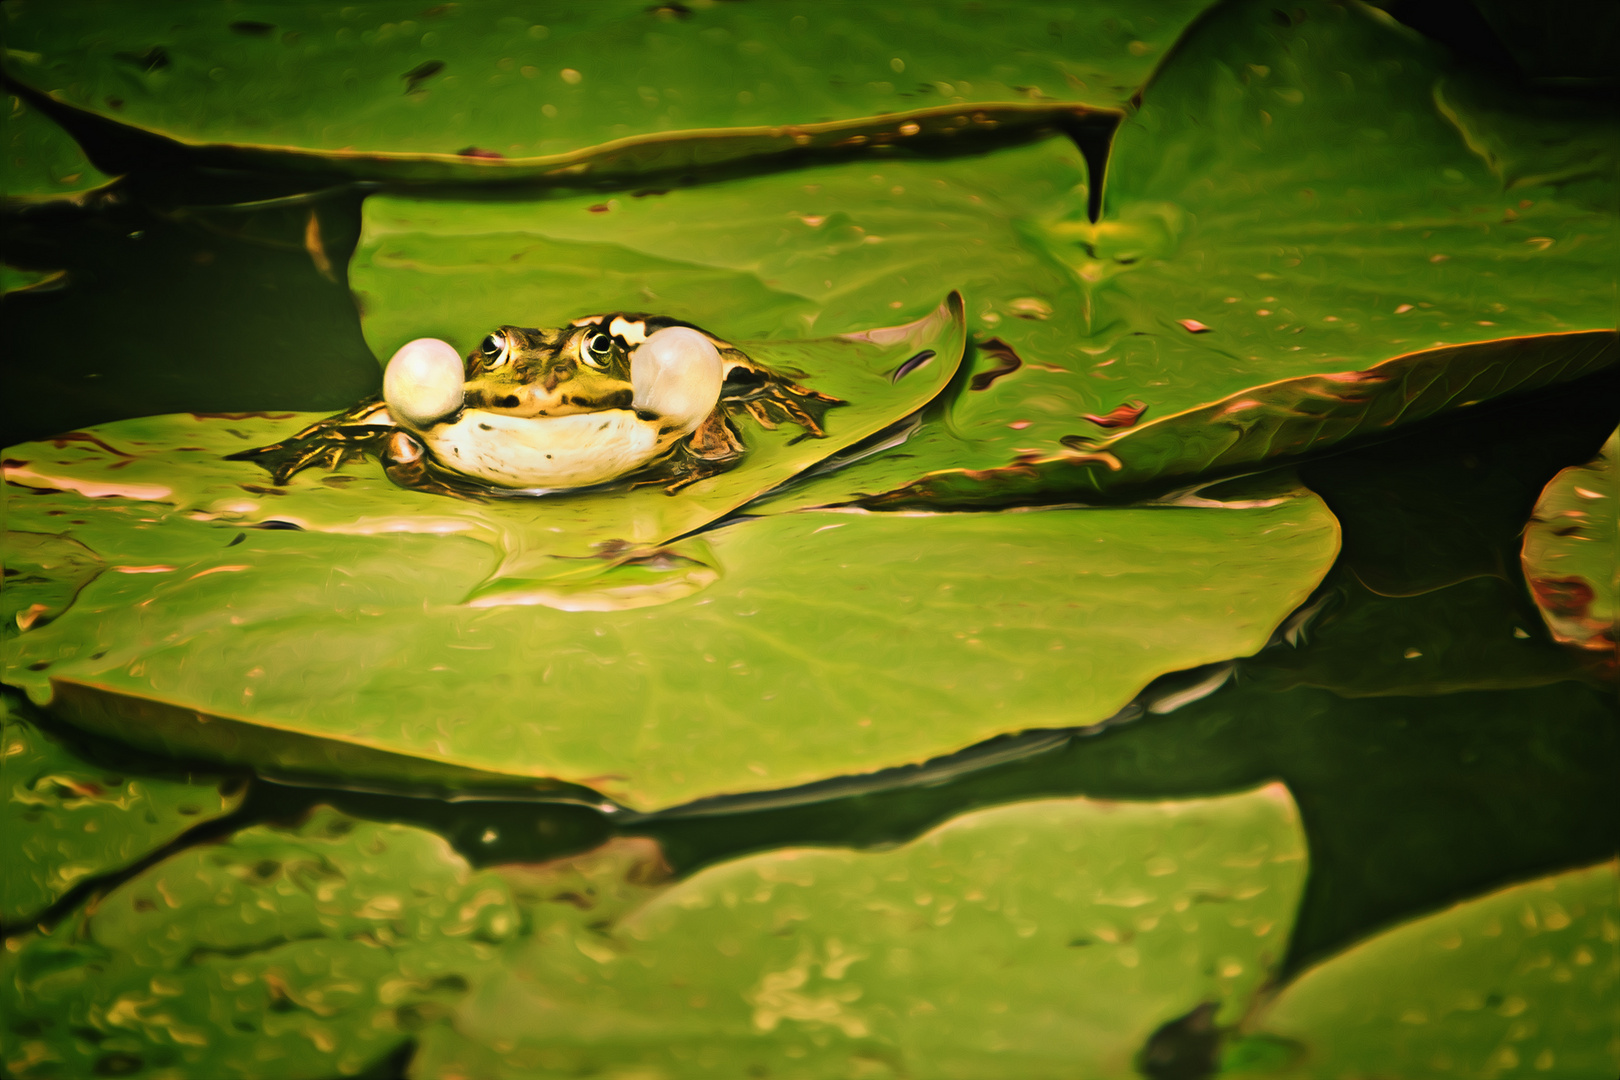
(1121, 416)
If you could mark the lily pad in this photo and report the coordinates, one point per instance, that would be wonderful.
(1239, 284)
(41, 160)
(178, 461)
(1571, 554)
(300, 952)
(460, 91)
(1521, 982)
(67, 820)
(44, 573)
(1043, 939)
(824, 644)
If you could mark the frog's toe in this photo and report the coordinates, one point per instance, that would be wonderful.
(423, 383)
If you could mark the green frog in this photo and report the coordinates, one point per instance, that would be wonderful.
(621, 397)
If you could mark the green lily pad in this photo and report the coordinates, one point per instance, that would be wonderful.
(475, 91)
(13, 280)
(1532, 140)
(1239, 284)
(301, 952)
(178, 461)
(67, 820)
(822, 644)
(1043, 939)
(1571, 553)
(41, 160)
(44, 573)
(1521, 982)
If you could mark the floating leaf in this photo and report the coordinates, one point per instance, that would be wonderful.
(44, 572)
(1237, 197)
(1043, 939)
(178, 461)
(1571, 554)
(1524, 981)
(41, 160)
(824, 643)
(1531, 140)
(300, 952)
(364, 92)
(67, 820)
(13, 280)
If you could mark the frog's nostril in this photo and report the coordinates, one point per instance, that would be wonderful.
(508, 402)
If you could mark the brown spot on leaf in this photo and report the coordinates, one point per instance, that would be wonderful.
(1007, 362)
(1565, 597)
(59, 441)
(1193, 326)
(421, 73)
(1120, 416)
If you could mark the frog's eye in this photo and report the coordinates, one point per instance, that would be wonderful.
(598, 347)
(495, 350)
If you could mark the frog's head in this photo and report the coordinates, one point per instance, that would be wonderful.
(536, 373)
(664, 372)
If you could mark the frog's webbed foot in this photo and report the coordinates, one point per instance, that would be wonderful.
(331, 442)
(773, 399)
(714, 448)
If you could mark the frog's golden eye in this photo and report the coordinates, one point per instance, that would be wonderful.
(495, 350)
(598, 347)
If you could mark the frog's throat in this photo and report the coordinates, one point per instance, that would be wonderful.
(569, 451)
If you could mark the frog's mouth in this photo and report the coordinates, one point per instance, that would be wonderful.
(536, 402)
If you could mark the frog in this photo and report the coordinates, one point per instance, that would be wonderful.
(622, 398)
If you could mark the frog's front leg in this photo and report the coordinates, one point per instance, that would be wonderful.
(330, 442)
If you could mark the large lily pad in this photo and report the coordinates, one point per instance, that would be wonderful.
(67, 820)
(1522, 982)
(1045, 939)
(1571, 554)
(178, 461)
(41, 160)
(822, 643)
(1285, 259)
(299, 952)
(484, 91)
